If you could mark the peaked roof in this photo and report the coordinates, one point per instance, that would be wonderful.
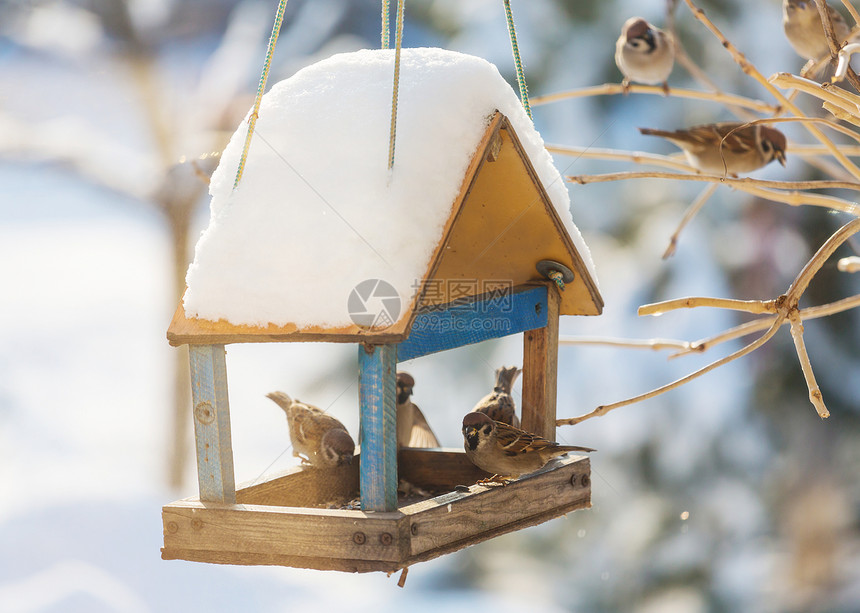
(501, 224)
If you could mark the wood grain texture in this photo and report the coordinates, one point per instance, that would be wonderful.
(460, 519)
(437, 468)
(475, 320)
(355, 541)
(237, 530)
(377, 368)
(304, 486)
(212, 423)
(540, 372)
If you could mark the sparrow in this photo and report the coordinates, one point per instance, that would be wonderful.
(727, 148)
(506, 451)
(804, 30)
(644, 53)
(412, 427)
(499, 404)
(319, 439)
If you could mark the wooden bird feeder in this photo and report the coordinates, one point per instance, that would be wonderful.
(502, 226)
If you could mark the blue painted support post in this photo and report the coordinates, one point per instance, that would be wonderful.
(212, 423)
(377, 368)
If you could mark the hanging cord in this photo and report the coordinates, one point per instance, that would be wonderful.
(276, 28)
(521, 77)
(385, 26)
(398, 40)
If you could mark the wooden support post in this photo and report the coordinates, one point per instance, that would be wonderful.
(215, 475)
(377, 366)
(540, 371)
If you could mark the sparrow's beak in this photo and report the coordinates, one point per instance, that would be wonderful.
(780, 157)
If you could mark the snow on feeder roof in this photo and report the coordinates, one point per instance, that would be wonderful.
(473, 197)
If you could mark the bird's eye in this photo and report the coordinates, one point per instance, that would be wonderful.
(766, 146)
(487, 429)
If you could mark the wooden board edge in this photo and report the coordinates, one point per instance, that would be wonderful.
(190, 331)
(259, 559)
(533, 520)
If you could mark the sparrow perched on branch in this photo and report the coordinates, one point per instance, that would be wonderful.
(804, 30)
(499, 404)
(412, 427)
(319, 439)
(506, 451)
(644, 53)
(727, 148)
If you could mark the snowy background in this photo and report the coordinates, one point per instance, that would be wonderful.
(726, 495)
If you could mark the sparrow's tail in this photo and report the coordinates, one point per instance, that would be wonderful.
(567, 448)
(653, 132)
(281, 399)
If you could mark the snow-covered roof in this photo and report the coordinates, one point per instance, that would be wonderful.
(318, 211)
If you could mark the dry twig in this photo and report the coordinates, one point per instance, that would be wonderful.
(752, 71)
(757, 187)
(692, 211)
(637, 157)
(785, 308)
(613, 89)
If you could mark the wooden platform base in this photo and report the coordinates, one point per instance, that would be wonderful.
(284, 522)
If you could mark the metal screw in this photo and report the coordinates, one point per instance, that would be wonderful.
(538, 308)
(573, 479)
(414, 529)
(586, 480)
(385, 538)
(359, 538)
(172, 528)
(196, 524)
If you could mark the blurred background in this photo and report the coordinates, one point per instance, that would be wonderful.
(729, 494)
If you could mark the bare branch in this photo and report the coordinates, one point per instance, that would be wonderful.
(751, 186)
(748, 306)
(814, 391)
(655, 344)
(762, 323)
(854, 14)
(613, 89)
(692, 211)
(637, 157)
(606, 408)
(752, 71)
(830, 35)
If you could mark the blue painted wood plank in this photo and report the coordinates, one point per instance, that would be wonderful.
(215, 474)
(475, 321)
(377, 367)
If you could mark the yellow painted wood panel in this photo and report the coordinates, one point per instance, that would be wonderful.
(502, 223)
(504, 228)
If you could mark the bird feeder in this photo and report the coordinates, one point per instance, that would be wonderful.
(501, 225)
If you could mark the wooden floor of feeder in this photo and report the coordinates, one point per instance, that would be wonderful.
(283, 521)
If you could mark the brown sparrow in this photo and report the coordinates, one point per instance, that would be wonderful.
(499, 404)
(506, 451)
(727, 148)
(804, 30)
(644, 53)
(412, 427)
(319, 439)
